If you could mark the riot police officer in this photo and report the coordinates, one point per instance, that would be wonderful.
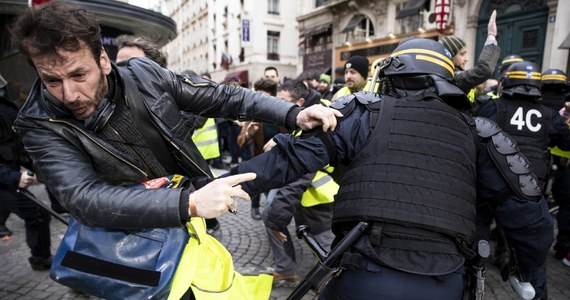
(534, 126)
(555, 93)
(410, 157)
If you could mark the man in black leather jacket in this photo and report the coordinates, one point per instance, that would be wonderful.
(78, 125)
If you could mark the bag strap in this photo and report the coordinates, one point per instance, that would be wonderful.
(146, 126)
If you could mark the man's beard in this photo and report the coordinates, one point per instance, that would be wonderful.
(101, 91)
(102, 88)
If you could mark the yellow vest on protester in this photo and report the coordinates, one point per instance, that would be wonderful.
(207, 268)
(206, 139)
(342, 92)
(471, 96)
(323, 188)
(321, 191)
(558, 152)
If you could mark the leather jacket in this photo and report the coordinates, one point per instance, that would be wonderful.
(91, 179)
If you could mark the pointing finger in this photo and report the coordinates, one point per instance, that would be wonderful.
(237, 179)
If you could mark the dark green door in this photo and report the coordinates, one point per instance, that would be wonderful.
(521, 27)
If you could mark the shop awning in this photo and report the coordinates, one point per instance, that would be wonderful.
(240, 76)
(316, 30)
(411, 7)
(356, 19)
(566, 43)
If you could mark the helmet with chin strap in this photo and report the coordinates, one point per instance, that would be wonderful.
(418, 59)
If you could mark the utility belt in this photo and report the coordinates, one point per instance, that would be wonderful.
(355, 261)
(404, 249)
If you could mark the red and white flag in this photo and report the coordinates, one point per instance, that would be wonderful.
(32, 3)
(441, 10)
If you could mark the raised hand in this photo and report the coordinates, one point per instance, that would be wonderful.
(492, 26)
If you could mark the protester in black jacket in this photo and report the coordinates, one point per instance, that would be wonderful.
(78, 126)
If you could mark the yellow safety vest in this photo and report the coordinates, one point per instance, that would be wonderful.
(322, 190)
(367, 86)
(206, 139)
(207, 268)
(558, 152)
(342, 92)
(471, 96)
(493, 95)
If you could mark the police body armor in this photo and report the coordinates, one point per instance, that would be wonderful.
(415, 179)
(527, 122)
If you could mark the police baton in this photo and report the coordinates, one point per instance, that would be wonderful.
(32, 197)
(325, 266)
(483, 251)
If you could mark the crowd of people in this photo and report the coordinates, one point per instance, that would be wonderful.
(431, 158)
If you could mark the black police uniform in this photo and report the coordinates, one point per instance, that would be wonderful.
(411, 162)
(527, 225)
(555, 93)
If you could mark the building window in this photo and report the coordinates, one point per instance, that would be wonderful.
(530, 39)
(320, 3)
(273, 45)
(273, 7)
(410, 15)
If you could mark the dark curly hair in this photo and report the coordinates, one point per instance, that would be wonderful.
(266, 85)
(45, 29)
(150, 49)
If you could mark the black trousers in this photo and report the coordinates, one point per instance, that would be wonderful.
(36, 220)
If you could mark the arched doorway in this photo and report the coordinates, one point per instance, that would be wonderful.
(521, 27)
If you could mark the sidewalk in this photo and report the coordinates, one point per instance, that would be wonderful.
(244, 237)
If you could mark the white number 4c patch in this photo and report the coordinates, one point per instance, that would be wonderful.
(522, 120)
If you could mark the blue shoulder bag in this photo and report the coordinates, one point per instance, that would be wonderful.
(119, 263)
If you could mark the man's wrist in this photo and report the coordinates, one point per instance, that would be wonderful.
(192, 205)
(291, 118)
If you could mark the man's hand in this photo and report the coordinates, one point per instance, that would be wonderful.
(26, 180)
(269, 145)
(279, 235)
(492, 26)
(318, 115)
(215, 198)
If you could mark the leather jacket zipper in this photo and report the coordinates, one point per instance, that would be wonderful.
(103, 147)
(186, 156)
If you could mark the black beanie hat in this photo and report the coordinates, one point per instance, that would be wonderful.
(359, 63)
(453, 44)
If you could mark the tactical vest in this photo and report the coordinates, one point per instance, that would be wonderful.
(527, 122)
(206, 139)
(416, 177)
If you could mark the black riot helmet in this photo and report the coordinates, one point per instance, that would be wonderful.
(522, 78)
(555, 88)
(418, 56)
(553, 77)
(509, 60)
